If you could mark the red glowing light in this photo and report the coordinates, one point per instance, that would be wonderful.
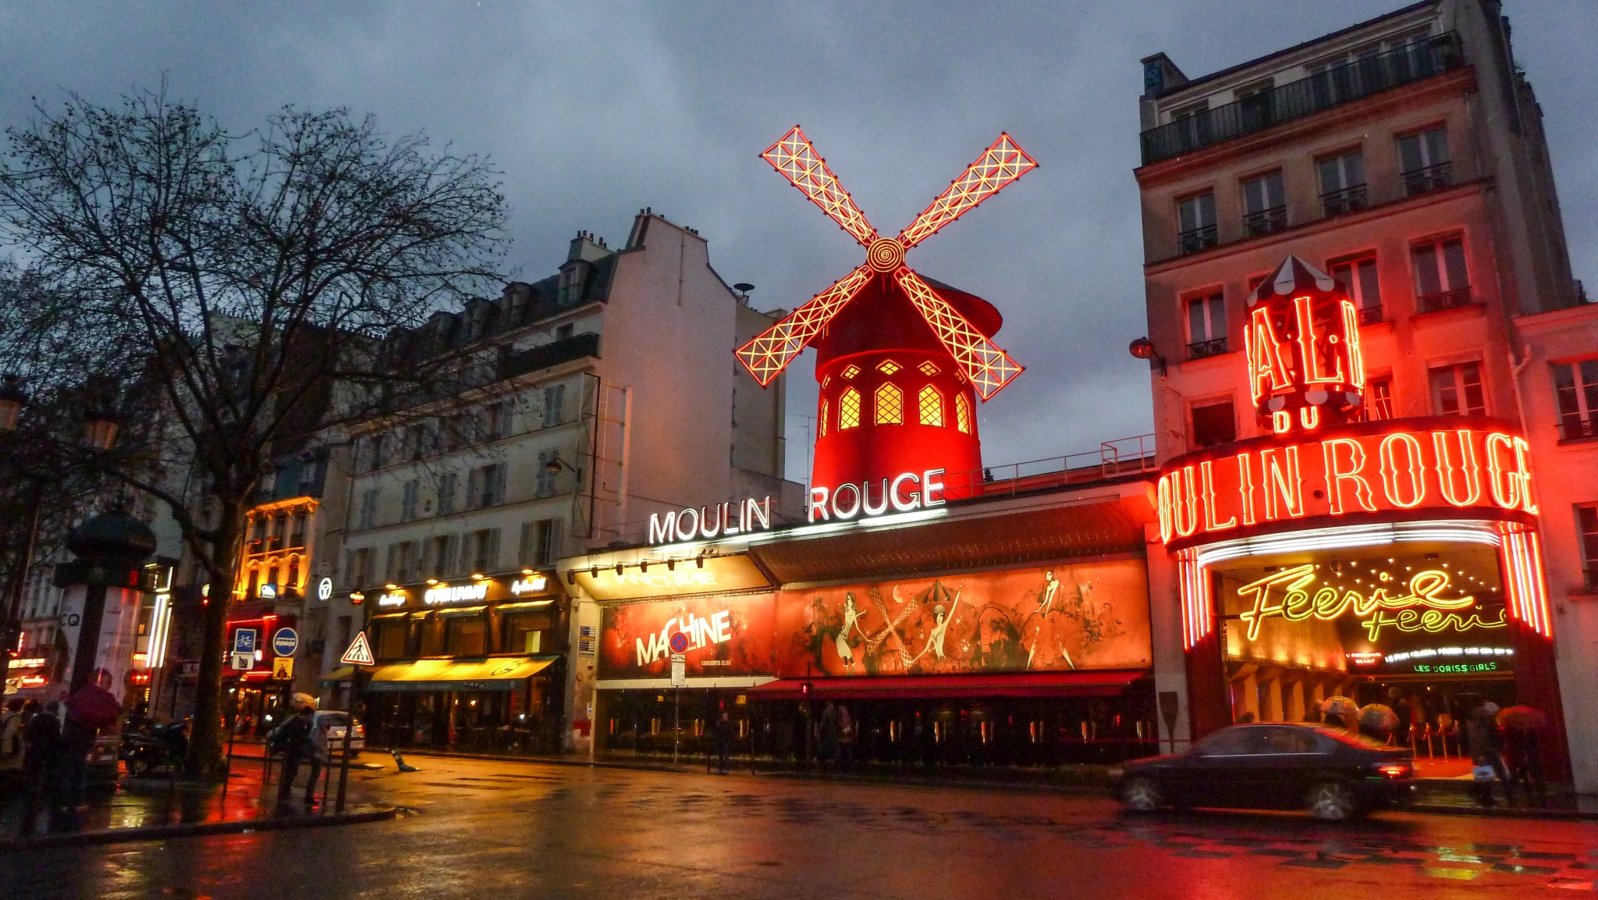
(988, 367)
(1302, 349)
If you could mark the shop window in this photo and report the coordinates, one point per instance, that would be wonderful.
(1196, 222)
(1424, 161)
(1576, 392)
(529, 632)
(466, 636)
(392, 639)
(962, 414)
(1358, 277)
(1206, 325)
(1587, 528)
(890, 405)
(1441, 279)
(430, 641)
(1378, 399)
(1213, 424)
(1264, 204)
(849, 410)
(931, 403)
(1342, 182)
(1457, 390)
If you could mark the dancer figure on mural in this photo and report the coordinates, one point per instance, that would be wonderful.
(851, 623)
(1046, 630)
(940, 629)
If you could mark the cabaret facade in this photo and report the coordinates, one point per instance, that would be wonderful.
(1376, 456)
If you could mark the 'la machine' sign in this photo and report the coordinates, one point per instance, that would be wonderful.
(905, 492)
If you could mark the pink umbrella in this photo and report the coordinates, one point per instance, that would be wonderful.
(1522, 718)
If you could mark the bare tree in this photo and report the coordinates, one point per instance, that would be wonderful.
(240, 287)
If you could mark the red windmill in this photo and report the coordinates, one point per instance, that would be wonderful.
(898, 357)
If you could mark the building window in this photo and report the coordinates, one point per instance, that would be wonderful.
(928, 368)
(849, 410)
(1576, 392)
(1441, 280)
(962, 414)
(367, 516)
(931, 403)
(1587, 527)
(1196, 222)
(359, 572)
(486, 486)
(496, 420)
(1378, 404)
(1206, 325)
(1342, 182)
(483, 547)
(890, 405)
(402, 562)
(544, 481)
(408, 493)
(1264, 204)
(850, 371)
(466, 635)
(1192, 125)
(448, 484)
(529, 632)
(392, 639)
(888, 367)
(540, 542)
(554, 405)
(1358, 277)
(440, 555)
(1457, 390)
(563, 332)
(1213, 424)
(1423, 160)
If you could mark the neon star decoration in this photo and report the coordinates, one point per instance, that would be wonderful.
(988, 367)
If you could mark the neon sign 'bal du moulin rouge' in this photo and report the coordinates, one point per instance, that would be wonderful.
(900, 359)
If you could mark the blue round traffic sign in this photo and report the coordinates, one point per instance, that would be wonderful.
(679, 643)
(285, 641)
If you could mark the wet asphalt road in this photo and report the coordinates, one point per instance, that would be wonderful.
(499, 829)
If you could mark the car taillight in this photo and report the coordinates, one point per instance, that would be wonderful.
(1395, 770)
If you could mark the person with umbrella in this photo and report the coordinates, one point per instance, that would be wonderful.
(1519, 725)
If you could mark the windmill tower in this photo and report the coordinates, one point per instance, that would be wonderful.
(901, 360)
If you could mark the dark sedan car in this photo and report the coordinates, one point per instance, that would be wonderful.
(1330, 772)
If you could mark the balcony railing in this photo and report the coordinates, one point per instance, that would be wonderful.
(1430, 178)
(1370, 315)
(1452, 299)
(1211, 347)
(1196, 239)
(1342, 201)
(1265, 221)
(1322, 90)
(1575, 428)
(551, 354)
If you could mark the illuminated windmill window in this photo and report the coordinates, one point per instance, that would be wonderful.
(851, 371)
(890, 405)
(931, 407)
(826, 381)
(823, 419)
(962, 414)
(888, 367)
(849, 410)
(928, 369)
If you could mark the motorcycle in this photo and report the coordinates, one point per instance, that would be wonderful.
(151, 747)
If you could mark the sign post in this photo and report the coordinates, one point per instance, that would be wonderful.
(679, 677)
(359, 653)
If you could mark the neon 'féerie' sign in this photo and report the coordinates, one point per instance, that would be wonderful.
(1415, 606)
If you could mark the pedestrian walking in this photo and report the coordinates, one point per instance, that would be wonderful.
(41, 747)
(1483, 744)
(846, 738)
(11, 723)
(723, 737)
(293, 740)
(319, 752)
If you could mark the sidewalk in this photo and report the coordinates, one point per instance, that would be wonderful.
(165, 807)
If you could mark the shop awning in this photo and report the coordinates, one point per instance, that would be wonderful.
(342, 673)
(498, 674)
(1021, 684)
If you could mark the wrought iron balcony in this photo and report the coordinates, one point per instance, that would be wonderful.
(565, 350)
(1370, 315)
(1575, 428)
(1342, 201)
(1430, 178)
(1196, 239)
(1452, 299)
(1265, 221)
(1211, 347)
(1322, 90)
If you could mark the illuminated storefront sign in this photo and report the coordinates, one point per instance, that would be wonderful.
(702, 631)
(392, 598)
(905, 492)
(710, 522)
(442, 594)
(1349, 471)
(1364, 657)
(1417, 606)
(1305, 369)
(529, 584)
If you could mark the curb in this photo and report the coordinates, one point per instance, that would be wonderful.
(195, 829)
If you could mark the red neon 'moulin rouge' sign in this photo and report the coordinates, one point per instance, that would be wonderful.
(1305, 370)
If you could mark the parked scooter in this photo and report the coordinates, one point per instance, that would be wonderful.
(151, 747)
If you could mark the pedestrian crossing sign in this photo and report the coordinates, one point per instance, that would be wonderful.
(359, 653)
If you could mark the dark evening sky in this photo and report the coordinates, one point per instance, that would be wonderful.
(593, 110)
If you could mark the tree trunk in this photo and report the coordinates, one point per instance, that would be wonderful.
(205, 732)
